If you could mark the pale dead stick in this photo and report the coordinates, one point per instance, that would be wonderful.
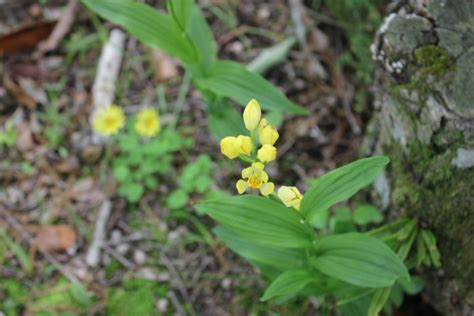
(108, 67)
(60, 30)
(93, 254)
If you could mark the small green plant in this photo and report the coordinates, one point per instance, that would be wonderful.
(286, 235)
(195, 178)
(8, 135)
(55, 122)
(140, 161)
(184, 33)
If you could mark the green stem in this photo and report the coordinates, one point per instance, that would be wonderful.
(183, 91)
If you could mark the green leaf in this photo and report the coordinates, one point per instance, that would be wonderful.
(413, 286)
(225, 120)
(340, 184)
(421, 253)
(121, 173)
(341, 222)
(132, 191)
(260, 220)
(19, 252)
(177, 199)
(288, 283)
(430, 242)
(276, 257)
(148, 25)
(79, 294)
(233, 80)
(365, 214)
(358, 259)
(203, 39)
(271, 56)
(181, 11)
(378, 301)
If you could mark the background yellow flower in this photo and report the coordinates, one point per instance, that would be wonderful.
(148, 122)
(108, 121)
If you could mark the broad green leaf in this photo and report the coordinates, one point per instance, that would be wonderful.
(358, 259)
(378, 300)
(366, 214)
(340, 184)
(233, 80)
(203, 39)
(148, 25)
(181, 11)
(260, 220)
(288, 283)
(276, 257)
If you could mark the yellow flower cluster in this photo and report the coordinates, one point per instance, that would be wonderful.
(110, 120)
(245, 148)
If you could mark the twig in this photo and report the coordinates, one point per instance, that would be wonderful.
(93, 254)
(61, 28)
(177, 305)
(124, 261)
(179, 283)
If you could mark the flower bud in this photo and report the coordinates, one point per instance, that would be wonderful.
(229, 147)
(252, 115)
(290, 196)
(267, 153)
(268, 135)
(244, 145)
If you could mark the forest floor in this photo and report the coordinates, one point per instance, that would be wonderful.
(159, 256)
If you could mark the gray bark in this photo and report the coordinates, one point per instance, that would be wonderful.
(424, 122)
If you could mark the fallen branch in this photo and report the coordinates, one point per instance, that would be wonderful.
(93, 255)
(108, 68)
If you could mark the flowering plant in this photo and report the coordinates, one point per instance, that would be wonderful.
(281, 233)
(183, 32)
(142, 154)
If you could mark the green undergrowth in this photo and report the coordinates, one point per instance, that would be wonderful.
(426, 187)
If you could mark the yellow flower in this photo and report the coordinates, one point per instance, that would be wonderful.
(290, 196)
(109, 120)
(148, 122)
(255, 177)
(267, 134)
(232, 147)
(267, 153)
(252, 115)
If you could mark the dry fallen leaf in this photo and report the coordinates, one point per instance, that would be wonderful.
(55, 238)
(26, 37)
(21, 96)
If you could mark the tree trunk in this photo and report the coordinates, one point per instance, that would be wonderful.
(424, 122)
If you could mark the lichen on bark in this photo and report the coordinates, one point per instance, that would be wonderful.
(425, 123)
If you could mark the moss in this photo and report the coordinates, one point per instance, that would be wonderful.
(432, 63)
(428, 188)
